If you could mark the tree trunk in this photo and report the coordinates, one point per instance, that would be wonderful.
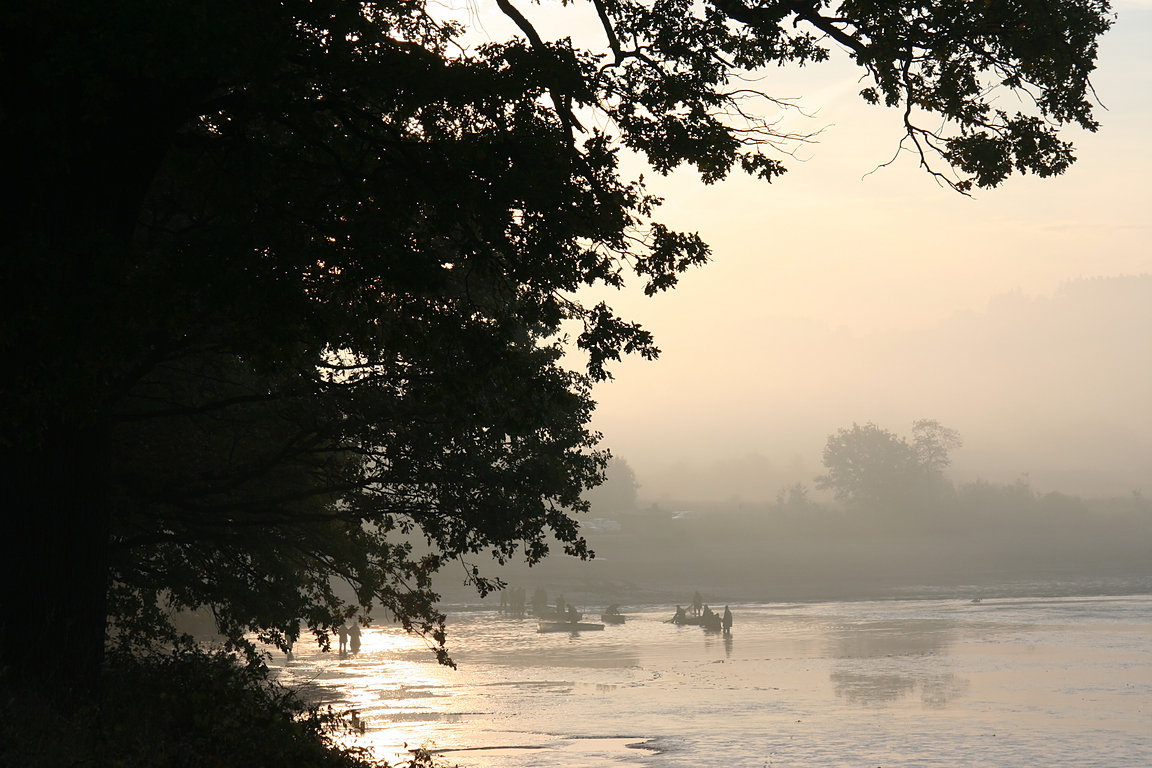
(83, 170)
(55, 566)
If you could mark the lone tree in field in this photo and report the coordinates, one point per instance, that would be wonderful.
(285, 282)
(871, 467)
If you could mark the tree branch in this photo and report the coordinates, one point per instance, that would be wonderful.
(562, 101)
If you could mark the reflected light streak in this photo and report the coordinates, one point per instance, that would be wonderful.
(393, 682)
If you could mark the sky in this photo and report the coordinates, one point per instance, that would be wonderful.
(846, 292)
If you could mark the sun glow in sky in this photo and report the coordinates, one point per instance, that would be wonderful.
(789, 333)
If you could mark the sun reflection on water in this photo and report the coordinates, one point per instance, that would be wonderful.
(392, 683)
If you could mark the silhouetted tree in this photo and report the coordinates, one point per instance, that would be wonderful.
(868, 465)
(284, 281)
(794, 499)
(618, 491)
(932, 443)
(873, 467)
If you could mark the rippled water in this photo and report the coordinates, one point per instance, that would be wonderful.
(1003, 683)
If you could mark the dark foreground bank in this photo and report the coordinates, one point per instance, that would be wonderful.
(188, 707)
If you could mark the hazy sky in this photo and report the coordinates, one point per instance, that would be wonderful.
(821, 278)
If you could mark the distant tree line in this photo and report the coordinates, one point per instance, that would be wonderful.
(797, 547)
(895, 519)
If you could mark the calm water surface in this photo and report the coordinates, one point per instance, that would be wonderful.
(1008, 683)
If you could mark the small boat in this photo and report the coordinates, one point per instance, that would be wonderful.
(710, 621)
(567, 626)
(612, 615)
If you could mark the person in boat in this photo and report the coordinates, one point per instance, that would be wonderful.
(561, 608)
(726, 622)
(613, 610)
(540, 602)
(354, 637)
(680, 617)
(573, 616)
(697, 601)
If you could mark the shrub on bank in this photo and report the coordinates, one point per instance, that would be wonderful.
(186, 708)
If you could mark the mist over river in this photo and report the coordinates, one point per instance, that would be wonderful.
(1001, 682)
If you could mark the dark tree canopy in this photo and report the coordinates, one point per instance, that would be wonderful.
(287, 283)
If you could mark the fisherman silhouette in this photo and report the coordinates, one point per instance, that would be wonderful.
(354, 636)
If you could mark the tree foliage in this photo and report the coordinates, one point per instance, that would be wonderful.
(869, 466)
(617, 493)
(932, 442)
(184, 706)
(288, 282)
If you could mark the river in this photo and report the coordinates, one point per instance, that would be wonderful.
(1004, 683)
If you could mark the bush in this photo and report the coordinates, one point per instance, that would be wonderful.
(186, 708)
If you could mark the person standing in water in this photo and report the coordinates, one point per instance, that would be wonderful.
(342, 633)
(726, 622)
(354, 636)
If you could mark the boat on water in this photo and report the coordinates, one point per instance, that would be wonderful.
(711, 621)
(612, 615)
(567, 626)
